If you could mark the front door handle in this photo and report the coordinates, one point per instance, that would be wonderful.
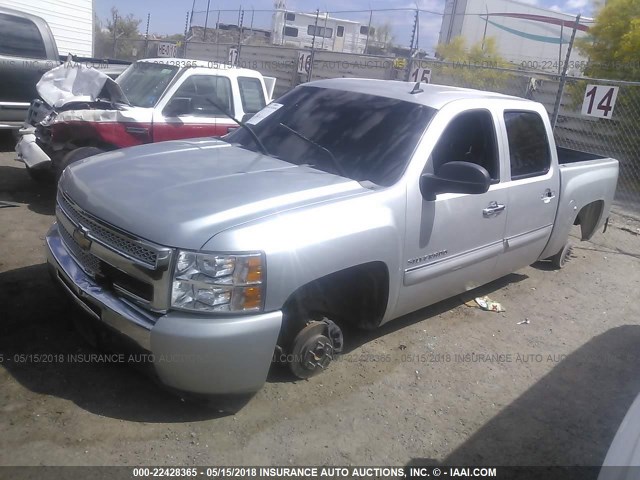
(493, 209)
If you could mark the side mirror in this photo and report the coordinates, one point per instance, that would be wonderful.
(178, 106)
(455, 177)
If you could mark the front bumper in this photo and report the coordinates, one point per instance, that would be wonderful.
(29, 151)
(191, 353)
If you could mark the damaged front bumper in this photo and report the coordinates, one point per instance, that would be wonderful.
(29, 151)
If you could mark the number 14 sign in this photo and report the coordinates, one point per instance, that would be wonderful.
(599, 101)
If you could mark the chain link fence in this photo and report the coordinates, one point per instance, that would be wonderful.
(616, 134)
(248, 39)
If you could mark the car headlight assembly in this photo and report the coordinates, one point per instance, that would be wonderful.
(210, 282)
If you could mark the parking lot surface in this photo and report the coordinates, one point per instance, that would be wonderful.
(545, 383)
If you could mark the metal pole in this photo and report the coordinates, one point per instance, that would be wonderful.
(410, 59)
(563, 78)
(115, 34)
(206, 21)
(366, 43)
(146, 36)
(560, 49)
(486, 22)
(218, 28)
(193, 5)
(417, 31)
(313, 46)
(240, 35)
(326, 17)
(187, 25)
(251, 26)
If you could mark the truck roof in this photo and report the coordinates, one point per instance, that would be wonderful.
(434, 96)
(209, 65)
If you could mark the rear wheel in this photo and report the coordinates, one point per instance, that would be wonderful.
(560, 259)
(74, 156)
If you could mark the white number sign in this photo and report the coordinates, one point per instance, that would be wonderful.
(599, 101)
(167, 50)
(233, 56)
(304, 61)
(421, 75)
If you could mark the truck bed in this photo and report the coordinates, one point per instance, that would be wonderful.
(568, 155)
(587, 186)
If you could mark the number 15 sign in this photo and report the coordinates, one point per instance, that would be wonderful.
(599, 101)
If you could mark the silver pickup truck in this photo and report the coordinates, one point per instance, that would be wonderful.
(344, 202)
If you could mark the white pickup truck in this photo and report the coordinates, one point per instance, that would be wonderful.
(344, 202)
(152, 101)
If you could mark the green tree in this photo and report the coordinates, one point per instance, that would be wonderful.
(128, 41)
(473, 67)
(614, 42)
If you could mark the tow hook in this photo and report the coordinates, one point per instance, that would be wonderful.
(314, 347)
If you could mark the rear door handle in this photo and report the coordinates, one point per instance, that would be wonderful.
(493, 209)
(548, 195)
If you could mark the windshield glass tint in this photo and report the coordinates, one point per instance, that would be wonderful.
(143, 83)
(371, 138)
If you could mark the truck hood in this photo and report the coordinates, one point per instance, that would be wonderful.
(181, 193)
(74, 82)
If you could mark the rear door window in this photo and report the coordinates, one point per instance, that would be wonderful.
(529, 153)
(20, 38)
(251, 94)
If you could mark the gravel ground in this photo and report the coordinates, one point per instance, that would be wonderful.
(450, 384)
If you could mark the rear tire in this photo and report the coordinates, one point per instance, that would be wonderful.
(74, 156)
(560, 259)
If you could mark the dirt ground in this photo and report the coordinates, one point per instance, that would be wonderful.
(450, 384)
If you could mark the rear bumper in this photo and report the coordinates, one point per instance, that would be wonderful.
(29, 151)
(191, 353)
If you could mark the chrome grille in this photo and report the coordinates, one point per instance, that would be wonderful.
(105, 234)
(87, 261)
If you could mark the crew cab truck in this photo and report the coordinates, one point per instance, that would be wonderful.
(158, 99)
(346, 201)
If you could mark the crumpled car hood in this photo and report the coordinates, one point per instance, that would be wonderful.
(74, 82)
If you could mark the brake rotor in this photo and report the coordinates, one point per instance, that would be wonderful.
(314, 347)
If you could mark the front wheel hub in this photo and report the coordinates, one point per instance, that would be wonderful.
(313, 349)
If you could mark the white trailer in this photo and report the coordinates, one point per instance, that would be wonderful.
(297, 29)
(71, 22)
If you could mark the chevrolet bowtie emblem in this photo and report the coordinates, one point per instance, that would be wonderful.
(81, 236)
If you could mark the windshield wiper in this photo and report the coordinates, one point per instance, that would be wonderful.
(318, 146)
(242, 124)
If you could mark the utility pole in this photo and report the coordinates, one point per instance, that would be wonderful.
(240, 34)
(187, 24)
(413, 38)
(146, 36)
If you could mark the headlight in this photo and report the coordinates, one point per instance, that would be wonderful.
(205, 282)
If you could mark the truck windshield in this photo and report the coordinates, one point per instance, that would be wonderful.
(369, 137)
(143, 82)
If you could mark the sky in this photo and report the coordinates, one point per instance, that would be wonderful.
(169, 16)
